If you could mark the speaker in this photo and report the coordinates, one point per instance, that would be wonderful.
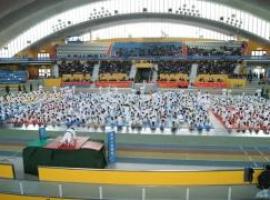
(264, 180)
(248, 174)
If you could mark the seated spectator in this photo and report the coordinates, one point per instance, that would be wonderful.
(218, 67)
(171, 67)
(157, 49)
(217, 51)
(115, 67)
(76, 66)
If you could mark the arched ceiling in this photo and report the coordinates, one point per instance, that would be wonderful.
(259, 8)
(151, 17)
(16, 16)
(22, 16)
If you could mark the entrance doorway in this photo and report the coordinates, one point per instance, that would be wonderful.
(259, 72)
(143, 74)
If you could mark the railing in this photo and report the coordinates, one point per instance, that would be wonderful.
(174, 58)
(89, 191)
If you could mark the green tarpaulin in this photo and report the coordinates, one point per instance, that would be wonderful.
(83, 158)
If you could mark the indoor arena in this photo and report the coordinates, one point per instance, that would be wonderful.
(134, 100)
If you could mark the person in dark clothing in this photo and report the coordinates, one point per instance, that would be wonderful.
(31, 87)
(7, 89)
(24, 89)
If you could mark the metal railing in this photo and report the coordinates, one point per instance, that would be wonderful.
(163, 58)
(89, 191)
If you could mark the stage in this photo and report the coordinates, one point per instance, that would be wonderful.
(84, 154)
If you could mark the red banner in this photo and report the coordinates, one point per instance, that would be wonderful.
(210, 85)
(173, 84)
(119, 84)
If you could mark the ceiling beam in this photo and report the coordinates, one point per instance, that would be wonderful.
(35, 11)
(151, 17)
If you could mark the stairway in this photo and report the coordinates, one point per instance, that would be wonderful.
(252, 86)
(95, 73)
(193, 73)
(155, 73)
(133, 72)
(145, 88)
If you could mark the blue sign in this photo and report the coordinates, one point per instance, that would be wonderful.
(111, 138)
(42, 133)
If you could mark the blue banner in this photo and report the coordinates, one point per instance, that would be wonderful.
(42, 133)
(13, 76)
(111, 138)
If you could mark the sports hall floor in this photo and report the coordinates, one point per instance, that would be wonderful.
(158, 152)
(136, 151)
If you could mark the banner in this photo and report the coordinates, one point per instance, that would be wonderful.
(42, 133)
(111, 139)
